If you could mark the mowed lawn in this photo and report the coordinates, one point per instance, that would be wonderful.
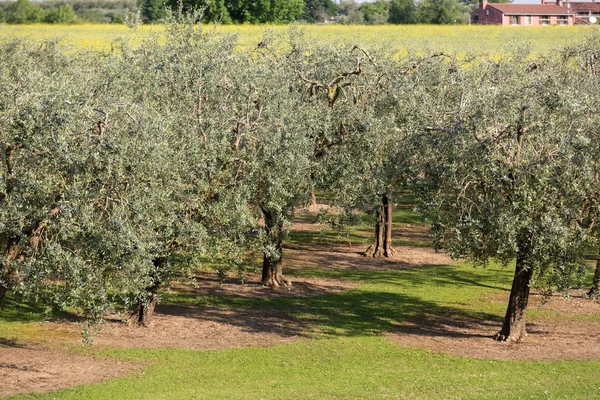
(461, 40)
(348, 357)
(340, 368)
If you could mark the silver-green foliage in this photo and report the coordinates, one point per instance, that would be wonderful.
(117, 169)
(502, 163)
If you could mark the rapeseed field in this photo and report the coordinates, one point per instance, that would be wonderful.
(460, 41)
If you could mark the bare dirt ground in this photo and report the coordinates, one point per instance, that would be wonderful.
(35, 367)
(208, 284)
(350, 256)
(32, 368)
(44, 367)
(547, 340)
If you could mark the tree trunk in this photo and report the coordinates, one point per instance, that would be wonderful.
(382, 248)
(144, 311)
(272, 272)
(311, 202)
(513, 329)
(312, 199)
(595, 289)
(13, 253)
(3, 290)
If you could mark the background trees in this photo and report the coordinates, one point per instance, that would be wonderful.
(66, 12)
(153, 10)
(23, 12)
(402, 12)
(236, 11)
(439, 12)
(319, 10)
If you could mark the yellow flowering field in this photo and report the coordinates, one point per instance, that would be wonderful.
(457, 40)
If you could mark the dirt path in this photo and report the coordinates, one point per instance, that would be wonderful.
(553, 340)
(29, 369)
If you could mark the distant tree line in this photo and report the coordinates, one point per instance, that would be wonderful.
(242, 11)
(65, 11)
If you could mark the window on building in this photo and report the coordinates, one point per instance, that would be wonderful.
(514, 20)
(544, 20)
(562, 20)
(528, 20)
(475, 19)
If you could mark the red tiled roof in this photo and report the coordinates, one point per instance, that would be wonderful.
(584, 7)
(529, 9)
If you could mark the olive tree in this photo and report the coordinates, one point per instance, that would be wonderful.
(368, 154)
(581, 63)
(183, 99)
(270, 128)
(500, 163)
(351, 129)
(47, 145)
(120, 142)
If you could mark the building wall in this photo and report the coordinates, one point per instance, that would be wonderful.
(495, 17)
(486, 15)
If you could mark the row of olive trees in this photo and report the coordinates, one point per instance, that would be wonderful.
(503, 156)
(121, 171)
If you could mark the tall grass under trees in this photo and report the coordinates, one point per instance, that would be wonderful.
(122, 171)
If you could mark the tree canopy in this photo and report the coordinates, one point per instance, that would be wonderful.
(122, 171)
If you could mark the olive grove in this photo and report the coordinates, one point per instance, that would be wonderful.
(121, 172)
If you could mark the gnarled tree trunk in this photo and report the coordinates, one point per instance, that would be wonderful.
(145, 309)
(272, 272)
(12, 253)
(595, 289)
(3, 290)
(312, 199)
(513, 329)
(143, 313)
(382, 248)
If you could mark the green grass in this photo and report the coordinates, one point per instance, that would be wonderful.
(341, 368)
(21, 321)
(346, 357)
(383, 299)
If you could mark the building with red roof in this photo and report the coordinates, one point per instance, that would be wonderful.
(585, 12)
(558, 13)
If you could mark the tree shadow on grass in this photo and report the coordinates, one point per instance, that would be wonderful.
(434, 276)
(12, 343)
(17, 309)
(351, 313)
(259, 321)
(360, 313)
(387, 302)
